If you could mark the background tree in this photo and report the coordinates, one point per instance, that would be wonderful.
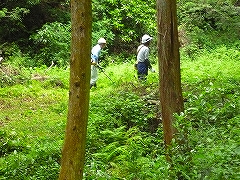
(169, 66)
(39, 29)
(73, 153)
(124, 22)
(19, 19)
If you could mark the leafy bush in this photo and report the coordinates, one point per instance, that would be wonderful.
(207, 25)
(42, 163)
(127, 20)
(21, 161)
(125, 109)
(206, 151)
(129, 154)
(21, 18)
(53, 44)
(209, 15)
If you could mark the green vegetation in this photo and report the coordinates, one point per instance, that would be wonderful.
(40, 30)
(125, 138)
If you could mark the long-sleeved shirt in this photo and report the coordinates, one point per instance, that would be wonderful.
(95, 53)
(143, 53)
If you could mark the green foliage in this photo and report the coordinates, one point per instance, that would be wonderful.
(209, 15)
(22, 154)
(53, 44)
(3, 13)
(205, 152)
(41, 163)
(9, 143)
(20, 19)
(12, 22)
(215, 94)
(121, 144)
(125, 137)
(129, 155)
(127, 110)
(127, 20)
(207, 25)
(217, 102)
(207, 132)
(21, 160)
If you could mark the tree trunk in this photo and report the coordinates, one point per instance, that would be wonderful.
(73, 152)
(169, 66)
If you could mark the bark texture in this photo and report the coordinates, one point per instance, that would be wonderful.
(169, 66)
(73, 152)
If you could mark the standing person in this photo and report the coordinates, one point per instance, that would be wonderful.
(95, 53)
(143, 64)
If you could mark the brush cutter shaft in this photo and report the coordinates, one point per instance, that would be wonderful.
(107, 76)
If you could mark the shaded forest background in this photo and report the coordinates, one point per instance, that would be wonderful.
(40, 29)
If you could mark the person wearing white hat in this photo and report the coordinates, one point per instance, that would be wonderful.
(95, 53)
(143, 64)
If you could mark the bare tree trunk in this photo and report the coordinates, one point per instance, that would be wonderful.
(73, 152)
(169, 66)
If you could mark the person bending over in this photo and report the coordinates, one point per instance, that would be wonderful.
(95, 53)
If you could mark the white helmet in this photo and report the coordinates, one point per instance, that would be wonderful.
(146, 38)
(102, 41)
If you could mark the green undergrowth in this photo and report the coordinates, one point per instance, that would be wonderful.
(125, 138)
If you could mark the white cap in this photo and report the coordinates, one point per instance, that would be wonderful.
(146, 38)
(102, 41)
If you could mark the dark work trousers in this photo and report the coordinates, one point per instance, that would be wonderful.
(142, 71)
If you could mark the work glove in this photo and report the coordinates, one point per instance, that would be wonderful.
(135, 67)
(100, 67)
(152, 70)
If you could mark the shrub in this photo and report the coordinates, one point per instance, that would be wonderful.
(53, 44)
(207, 25)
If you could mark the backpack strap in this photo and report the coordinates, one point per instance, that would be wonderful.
(139, 49)
(138, 52)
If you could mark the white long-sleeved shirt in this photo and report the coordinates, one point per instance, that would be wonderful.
(143, 53)
(95, 53)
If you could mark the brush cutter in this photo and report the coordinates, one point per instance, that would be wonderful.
(107, 76)
(102, 70)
